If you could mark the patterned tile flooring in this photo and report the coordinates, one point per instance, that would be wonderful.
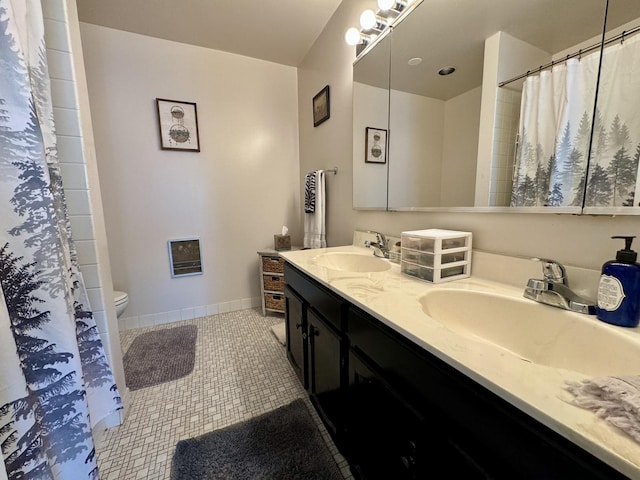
(240, 371)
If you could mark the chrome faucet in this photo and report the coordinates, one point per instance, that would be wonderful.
(554, 289)
(380, 248)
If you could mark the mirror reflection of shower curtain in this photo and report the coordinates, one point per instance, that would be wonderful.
(555, 124)
(612, 179)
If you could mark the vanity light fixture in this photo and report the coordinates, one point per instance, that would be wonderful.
(373, 23)
(368, 20)
(356, 37)
(448, 70)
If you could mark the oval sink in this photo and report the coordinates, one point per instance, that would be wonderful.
(537, 333)
(352, 262)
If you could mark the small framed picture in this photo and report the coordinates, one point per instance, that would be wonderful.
(178, 124)
(375, 149)
(321, 106)
(184, 257)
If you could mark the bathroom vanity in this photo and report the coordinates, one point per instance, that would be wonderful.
(405, 397)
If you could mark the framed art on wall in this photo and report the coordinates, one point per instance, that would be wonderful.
(321, 106)
(178, 125)
(375, 150)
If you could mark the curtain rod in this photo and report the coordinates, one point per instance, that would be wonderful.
(572, 55)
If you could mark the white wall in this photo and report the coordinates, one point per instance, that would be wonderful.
(76, 153)
(460, 148)
(235, 194)
(575, 240)
(372, 111)
(433, 148)
(415, 149)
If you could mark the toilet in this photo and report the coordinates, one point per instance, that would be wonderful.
(121, 300)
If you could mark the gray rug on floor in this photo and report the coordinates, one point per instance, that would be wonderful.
(160, 356)
(284, 444)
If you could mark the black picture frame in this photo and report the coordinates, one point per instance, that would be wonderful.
(178, 125)
(321, 106)
(375, 145)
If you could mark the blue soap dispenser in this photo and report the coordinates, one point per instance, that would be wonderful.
(619, 288)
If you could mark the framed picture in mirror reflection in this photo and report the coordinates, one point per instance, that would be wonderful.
(375, 149)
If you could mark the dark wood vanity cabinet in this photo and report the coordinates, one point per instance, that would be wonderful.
(296, 333)
(326, 362)
(397, 411)
(316, 345)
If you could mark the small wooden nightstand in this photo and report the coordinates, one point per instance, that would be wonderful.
(272, 280)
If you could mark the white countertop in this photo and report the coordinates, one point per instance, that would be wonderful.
(393, 298)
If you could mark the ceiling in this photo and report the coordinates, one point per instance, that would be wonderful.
(280, 31)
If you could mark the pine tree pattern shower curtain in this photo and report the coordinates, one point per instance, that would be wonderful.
(553, 162)
(613, 169)
(55, 382)
(555, 125)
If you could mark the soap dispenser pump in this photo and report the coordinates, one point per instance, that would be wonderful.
(619, 288)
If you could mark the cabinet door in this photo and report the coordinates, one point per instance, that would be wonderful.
(325, 371)
(296, 328)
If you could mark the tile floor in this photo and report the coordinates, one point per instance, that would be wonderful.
(240, 371)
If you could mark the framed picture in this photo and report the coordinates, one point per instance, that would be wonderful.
(375, 148)
(321, 106)
(184, 257)
(178, 124)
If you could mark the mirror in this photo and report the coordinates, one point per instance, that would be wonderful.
(452, 139)
(613, 184)
(371, 94)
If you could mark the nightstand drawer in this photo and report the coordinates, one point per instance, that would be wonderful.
(274, 301)
(272, 265)
(273, 283)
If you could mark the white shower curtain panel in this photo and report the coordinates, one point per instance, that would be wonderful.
(612, 180)
(555, 119)
(55, 382)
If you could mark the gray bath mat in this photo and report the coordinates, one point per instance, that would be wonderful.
(160, 356)
(284, 444)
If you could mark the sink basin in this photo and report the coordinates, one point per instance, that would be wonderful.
(536, 333)
(352, 262)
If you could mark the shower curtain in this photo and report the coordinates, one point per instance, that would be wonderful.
(615, 153)
(555, 125)
(55, 382)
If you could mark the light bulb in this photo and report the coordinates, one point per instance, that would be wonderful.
(385, 5)
(368, 19)
(352, 37)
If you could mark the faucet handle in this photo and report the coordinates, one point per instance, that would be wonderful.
(552, 270)
(380, 238)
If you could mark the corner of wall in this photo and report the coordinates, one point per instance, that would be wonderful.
(91, 238)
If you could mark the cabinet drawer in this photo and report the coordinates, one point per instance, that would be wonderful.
(272, 265)
(274, 283)
(274, 301)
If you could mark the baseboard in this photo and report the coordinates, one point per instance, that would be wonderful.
(189, 313)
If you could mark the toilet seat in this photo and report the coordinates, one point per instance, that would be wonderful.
(119, 297)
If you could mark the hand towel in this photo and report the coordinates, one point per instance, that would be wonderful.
(314, 223)
(310, 192)
(615, 399)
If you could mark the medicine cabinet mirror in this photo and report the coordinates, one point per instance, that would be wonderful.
(452, 140)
